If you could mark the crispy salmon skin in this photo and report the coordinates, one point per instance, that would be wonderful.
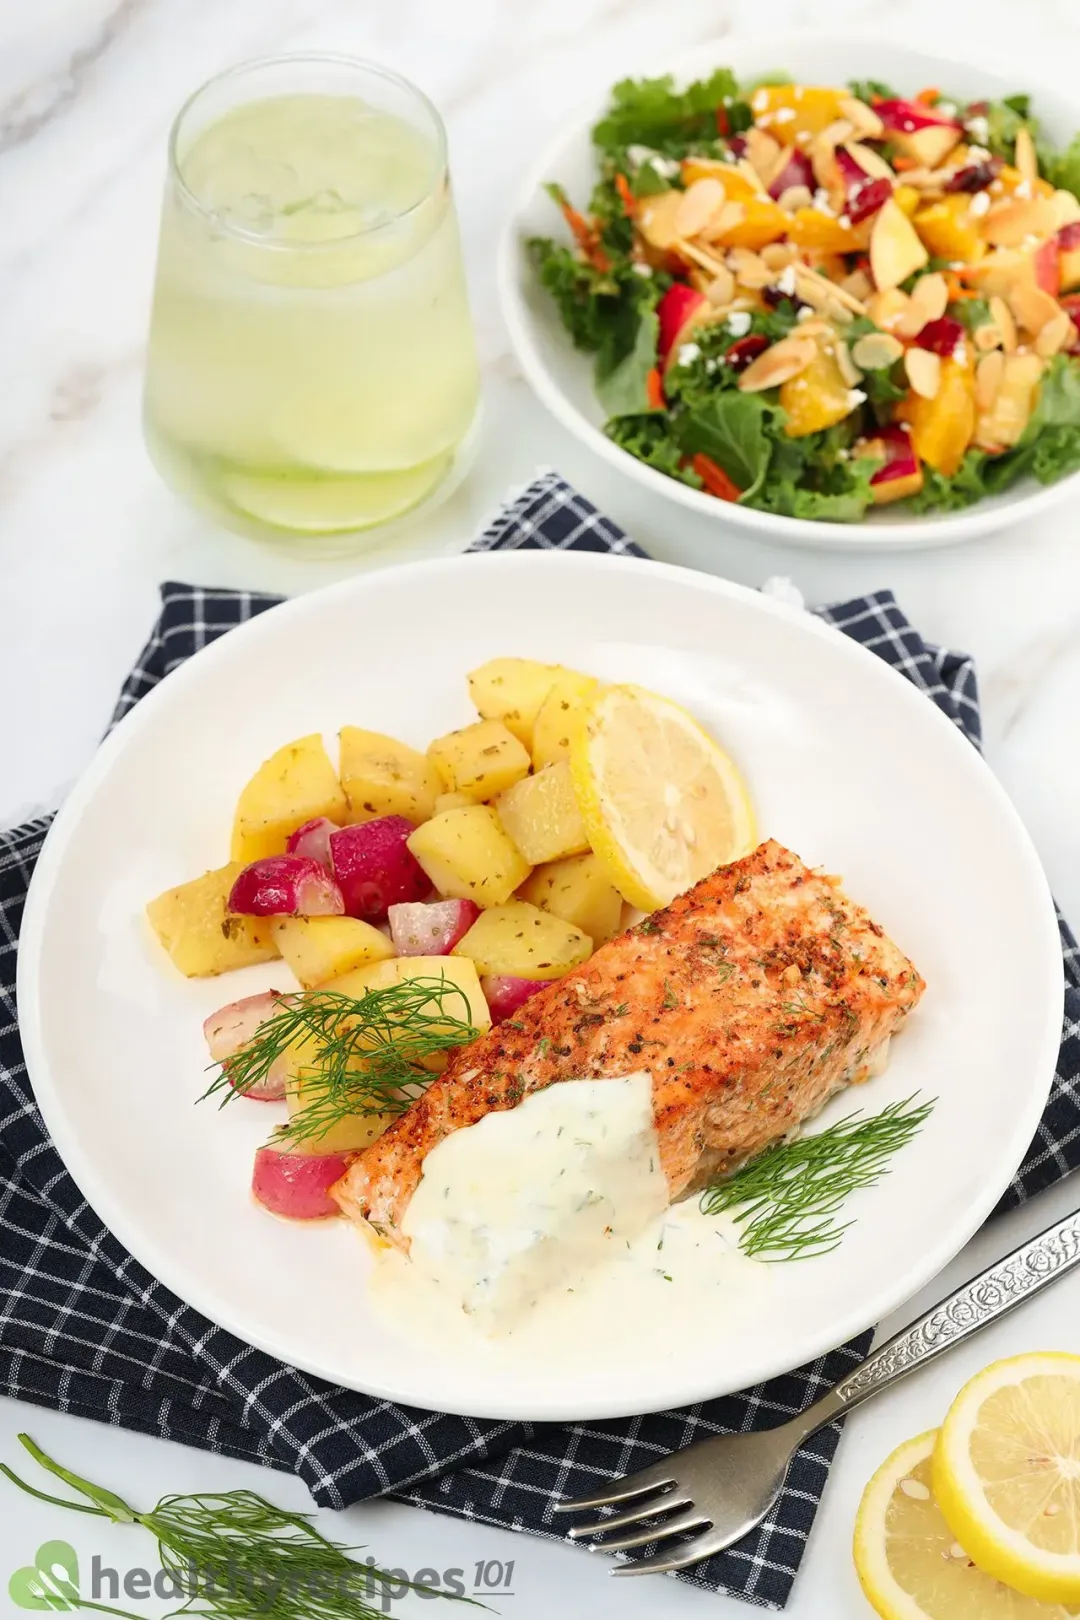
(750, 1000)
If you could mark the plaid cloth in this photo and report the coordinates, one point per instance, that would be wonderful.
(84, 1328)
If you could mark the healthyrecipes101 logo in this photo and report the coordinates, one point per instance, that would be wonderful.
(52, 1583)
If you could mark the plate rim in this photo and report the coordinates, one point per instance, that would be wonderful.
(913, 534)
(171, 1273)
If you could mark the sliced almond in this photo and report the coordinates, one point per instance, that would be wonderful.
(655, 218)
(885, 309)
(1032, 307)
(836, 133)
(988, 374)
(859, 285)
(1012, 222)
(1026, 160)
(1055, 335)
(1003, 319)
(931, 293)
(795, 197)
(987, 337)
(873, 162)
(895, 248)
(725, 220)
(927, 179)
(698, 205)
(1003, 425)
(721, 289)
(750, 269)
(923, 372)
(846, 365)
(812, 286)
(1066, 208)
(699, 255)
(763, 152)
(778, 364)
(748, 172)
(777, 255)
(864, 118)
(877, 350)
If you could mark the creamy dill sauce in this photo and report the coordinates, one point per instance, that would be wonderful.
(548, 1225)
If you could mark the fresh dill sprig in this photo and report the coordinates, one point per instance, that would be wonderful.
(785, 1199)
(366, 1054)
(234, 1554)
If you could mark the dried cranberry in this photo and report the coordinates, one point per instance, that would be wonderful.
(737, 146)
(976, 177)
(942, 336)
(747, 349)
(867, 199)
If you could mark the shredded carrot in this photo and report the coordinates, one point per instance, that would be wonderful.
(957, 290)
(928, 97)
(901, 164)
(715, 479)
(586, 236)
(876, 101)
(629, 201)
(654, 390)
(723, 122)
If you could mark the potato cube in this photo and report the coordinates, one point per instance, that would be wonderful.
(459, 975)
(512, 690)
(318, 948)
(468, 856)
(199, 932)
(541, 815)
(304, 1087)
(521, 940)
(579, 891)
(558, 714)
(384, 777)
(294, 785)
(452, 801)
(479, 760)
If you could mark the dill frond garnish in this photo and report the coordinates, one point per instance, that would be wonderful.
(785, 1199)
(233, 1554)
(364, 1054)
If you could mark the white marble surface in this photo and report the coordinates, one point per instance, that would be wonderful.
(87, 89)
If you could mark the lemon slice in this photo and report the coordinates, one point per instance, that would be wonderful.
(663, 806)
(909, 1562)
(1007, 1473)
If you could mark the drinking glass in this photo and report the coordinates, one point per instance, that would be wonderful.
(311, 369)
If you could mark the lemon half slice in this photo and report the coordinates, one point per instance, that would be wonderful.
(909, 1562)
(663, 805)
(1007, 1473)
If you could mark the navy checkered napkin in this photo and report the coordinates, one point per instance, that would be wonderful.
(85, 1329)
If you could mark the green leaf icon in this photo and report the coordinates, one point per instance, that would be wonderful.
(51, 1582)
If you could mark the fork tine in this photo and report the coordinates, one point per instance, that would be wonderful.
(690, 1552)
(646, 1479)
(642, 1510)
(690, 1520)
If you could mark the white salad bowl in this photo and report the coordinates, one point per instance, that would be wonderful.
(563, 376)
(848, 765)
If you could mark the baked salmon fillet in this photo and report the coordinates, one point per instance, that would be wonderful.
(749, 1000)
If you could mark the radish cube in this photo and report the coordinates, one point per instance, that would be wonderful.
(431, 929)
(286, 886)
(297, 1184)
(504, 994)
(313, 840)
(231, 1028)
(375, 867)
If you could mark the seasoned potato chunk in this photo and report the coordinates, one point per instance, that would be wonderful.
(480, 761)
(468, 856)
(318, 948)
(558, 712)
(542, 817)
(199, 932)
(579, 891)
(512, 690)
(523, 941)
(384, 777)
(303, 1087)
(458, 974)
(452, 801)
(294, 785)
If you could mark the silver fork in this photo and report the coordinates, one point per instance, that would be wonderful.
(719, 1489)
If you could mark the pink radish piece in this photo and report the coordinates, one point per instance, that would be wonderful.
(297, 1184)
(431, 929)
(375, 867)
(797, 171)
(313, 840)
(286, 886)
(230, 1029)
(504, 994)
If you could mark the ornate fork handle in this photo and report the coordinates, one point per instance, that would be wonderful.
(997, 1290)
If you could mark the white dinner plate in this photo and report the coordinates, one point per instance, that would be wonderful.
(563, 377)
(849, 765)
